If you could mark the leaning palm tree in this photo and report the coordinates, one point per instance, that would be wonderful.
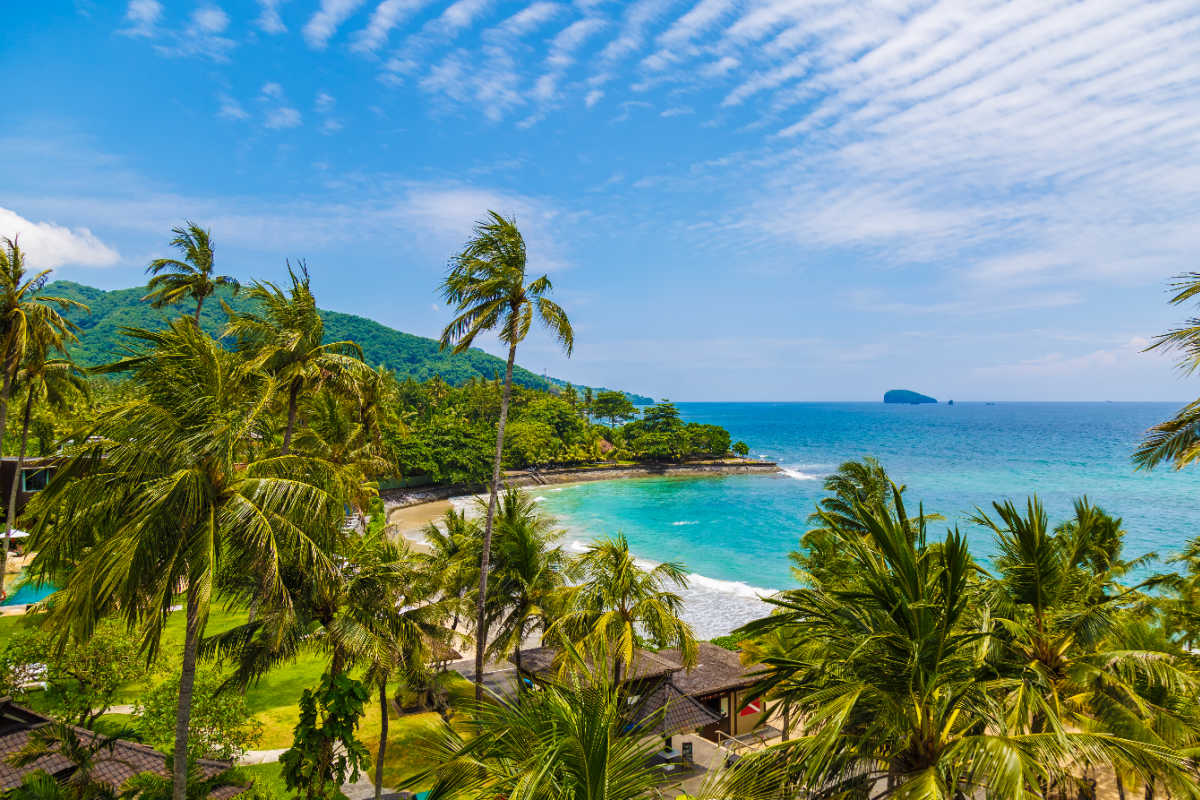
(53, 381)
(529, 571)
(166, 490)
(1177, 440)
(486, 284)
(27, 317)
(286, 335)
(617, 603)
(892, 683)
(192, 277)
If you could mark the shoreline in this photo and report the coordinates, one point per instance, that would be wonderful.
(706, 600)
(406, 498)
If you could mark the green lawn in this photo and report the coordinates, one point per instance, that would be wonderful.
(273, 701)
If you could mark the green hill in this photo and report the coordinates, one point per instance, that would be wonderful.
(406, 354)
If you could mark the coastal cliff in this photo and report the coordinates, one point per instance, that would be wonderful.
(401, 498)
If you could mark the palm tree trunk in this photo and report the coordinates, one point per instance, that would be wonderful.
(383, 732)
(187, 680)
(485, 559)
(517, 664)
(293, 394)
(787, 719)
(16, 481)
(5, 390)
(1120, 787)
(199, 305)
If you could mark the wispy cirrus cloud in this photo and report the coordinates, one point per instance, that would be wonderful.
(322, 25)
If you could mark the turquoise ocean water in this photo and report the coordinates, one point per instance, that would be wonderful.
(734, 533)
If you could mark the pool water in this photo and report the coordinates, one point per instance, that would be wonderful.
(22, 592)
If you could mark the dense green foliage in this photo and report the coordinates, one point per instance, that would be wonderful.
(404, 353)
(81, 680)
(220, 725)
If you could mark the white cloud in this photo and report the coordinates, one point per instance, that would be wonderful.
(272, 91)
(678, 111)
(142, 17)
(48, 245)
(282, 117)
(324, 103)
(231, 108)
(202, 36)
(330, 126)
(387, 15)
(323, 24)
(269, 20)
(593, 97)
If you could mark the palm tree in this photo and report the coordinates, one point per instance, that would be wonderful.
(571, 740)
(529, 574)
(616, 602)
(453, 558)
(56, 381)
(373, 611)
(1061, 613)
(84, 756)
(192, 277)
(894, 688)
(26, 317)
(486, 284)
(286, 335)
(820, 556)
(1178, 439)
(129, 526)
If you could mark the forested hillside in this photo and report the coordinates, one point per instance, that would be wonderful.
(406, 354)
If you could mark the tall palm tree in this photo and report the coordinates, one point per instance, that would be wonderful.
(1178, 439)
(286, 335)
(127, 526)
(894, 688)
(486, 284)
(56, 381)
(529, 572)
(616, 602)
(173, 280)
(26, 317)
(374, 611)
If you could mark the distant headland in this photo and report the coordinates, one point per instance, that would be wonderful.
(907, 397)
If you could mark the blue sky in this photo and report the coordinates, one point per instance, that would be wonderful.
(735, 199)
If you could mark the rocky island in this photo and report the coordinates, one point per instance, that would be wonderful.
(907, 397)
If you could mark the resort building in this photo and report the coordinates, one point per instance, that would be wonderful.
(112, 766)
(35, 474)
(713, 698)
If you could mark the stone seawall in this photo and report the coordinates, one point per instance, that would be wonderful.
(402, 498)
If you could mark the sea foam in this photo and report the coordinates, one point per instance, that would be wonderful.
(798, 474)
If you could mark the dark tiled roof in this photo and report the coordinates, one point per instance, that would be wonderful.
(113, 767)
(716, 670)
(666, 710)
(646, 664)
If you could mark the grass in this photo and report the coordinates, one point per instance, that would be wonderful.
(273, 701)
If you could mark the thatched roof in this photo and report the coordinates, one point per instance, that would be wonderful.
(112, 767)
(716, 670)
(540, 661)
(667, 711)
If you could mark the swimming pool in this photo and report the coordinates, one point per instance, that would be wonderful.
(21, 592)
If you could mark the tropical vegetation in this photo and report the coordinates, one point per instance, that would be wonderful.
(217, 529)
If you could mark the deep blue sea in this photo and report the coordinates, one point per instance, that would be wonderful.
(734, 533)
